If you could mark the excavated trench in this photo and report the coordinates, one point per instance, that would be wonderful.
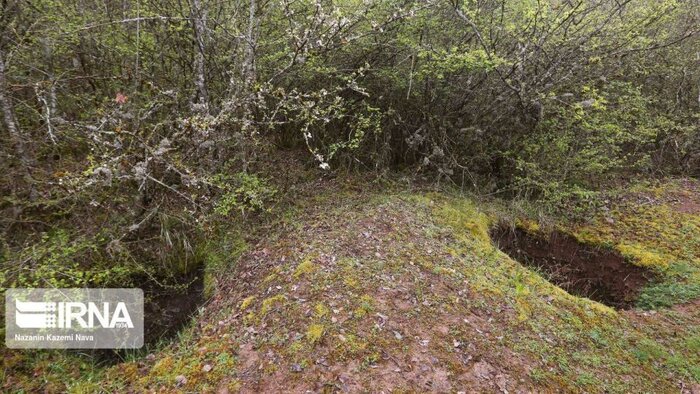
(167, 310)
(587, 271)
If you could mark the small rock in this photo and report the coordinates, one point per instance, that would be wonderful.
(207, 368)
(180, 380)
(482, 369)
(587, 103)
(695, 389)
(296, 368)
(502, 383)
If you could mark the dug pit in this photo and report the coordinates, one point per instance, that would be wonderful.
(587, 271)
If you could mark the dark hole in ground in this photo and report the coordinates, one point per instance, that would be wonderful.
(166, 311)
(583, 270)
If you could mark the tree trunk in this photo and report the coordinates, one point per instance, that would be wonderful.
(199, 24)
(49, 58)
(47, 99)
(249, 58)
(16, 137)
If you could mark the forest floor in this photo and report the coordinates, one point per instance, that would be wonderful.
(400, 291)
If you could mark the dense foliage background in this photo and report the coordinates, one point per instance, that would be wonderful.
(132, 126)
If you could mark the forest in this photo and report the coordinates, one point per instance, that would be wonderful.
(358, 195)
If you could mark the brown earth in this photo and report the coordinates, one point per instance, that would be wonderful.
(599, 274)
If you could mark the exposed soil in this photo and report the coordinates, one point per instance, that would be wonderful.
(684, 198)
(584, 270)
(167, 310)
(688, 199)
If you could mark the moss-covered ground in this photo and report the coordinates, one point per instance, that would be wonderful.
(405, 292)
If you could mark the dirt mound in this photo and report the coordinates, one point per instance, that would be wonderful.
(405, 294)
(599, 274)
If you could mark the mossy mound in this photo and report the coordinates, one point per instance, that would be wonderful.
(406, 292)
